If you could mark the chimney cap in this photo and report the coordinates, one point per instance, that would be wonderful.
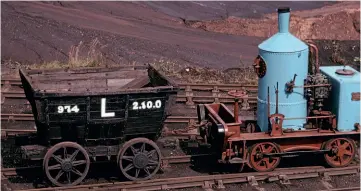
(283, 10)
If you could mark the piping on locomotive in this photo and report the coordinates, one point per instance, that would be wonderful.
(297, 111)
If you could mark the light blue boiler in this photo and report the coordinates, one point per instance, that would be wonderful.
(280, 58)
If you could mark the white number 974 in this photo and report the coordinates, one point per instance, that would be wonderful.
(68, 109)
(147, 105)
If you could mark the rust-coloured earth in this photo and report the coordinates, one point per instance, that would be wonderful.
(333, 22)
(37, 32)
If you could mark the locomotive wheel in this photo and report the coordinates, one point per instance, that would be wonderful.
(260, 163)
(139, 159)
(66, 164)
(342, 152)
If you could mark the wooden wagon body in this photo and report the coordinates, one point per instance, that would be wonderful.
(98, 109)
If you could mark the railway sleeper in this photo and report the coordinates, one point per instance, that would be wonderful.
(284, 179)
(220, 184)
(208, 185)
(252, 180)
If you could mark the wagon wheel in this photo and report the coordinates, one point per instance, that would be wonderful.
(342, 152)
(139, 159)
(66, 164)
(262, 163)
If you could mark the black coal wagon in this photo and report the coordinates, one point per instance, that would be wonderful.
(90, 114)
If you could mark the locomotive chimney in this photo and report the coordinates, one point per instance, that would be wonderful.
(283, 19)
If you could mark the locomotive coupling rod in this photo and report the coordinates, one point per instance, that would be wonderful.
(284, 154)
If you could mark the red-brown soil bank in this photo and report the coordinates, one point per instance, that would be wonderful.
(35, 32)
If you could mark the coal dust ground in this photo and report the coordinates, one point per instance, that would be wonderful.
(37, 32)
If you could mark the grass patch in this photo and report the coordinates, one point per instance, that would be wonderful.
(81, 55)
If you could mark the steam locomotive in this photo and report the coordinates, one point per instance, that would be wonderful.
(83, 115)
(313, 109)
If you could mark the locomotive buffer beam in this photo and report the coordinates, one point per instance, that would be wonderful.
(295, 153)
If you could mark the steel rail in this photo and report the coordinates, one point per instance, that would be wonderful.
(208, 181)
(343, 189)
(29, 117)
(8, 172)
(198, 86)
(187, 94)
(20, 94)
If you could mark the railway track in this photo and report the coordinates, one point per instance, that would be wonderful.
(208, 182)
(217, 92)
(9, 172)
(29, 117)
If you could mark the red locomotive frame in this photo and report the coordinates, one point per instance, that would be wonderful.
(262, 151)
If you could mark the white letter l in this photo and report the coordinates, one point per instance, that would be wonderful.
(103, 114)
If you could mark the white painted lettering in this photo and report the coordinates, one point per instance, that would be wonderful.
(103, 113)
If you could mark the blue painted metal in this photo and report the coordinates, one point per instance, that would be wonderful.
(283, 41)
(347, 111)
(284, 55)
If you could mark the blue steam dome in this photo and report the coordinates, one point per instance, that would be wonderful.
(280, 58)
(283, 41)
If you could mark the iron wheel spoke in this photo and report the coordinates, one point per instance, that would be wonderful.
(65, 153)
(150, 153)
(129, 167)
(57, 158)
(54, 167)
(347, 152)
(137, 172)
(76, 171)
(128, 158)
(134, 151)
(263, 148)
(338, 142)
(334, 157)
(68, 177)
(259, 162)
(345, 145)
(142, 149)
(340, 159)
(147, 171)
(269, 150)
(78, 162)
(153, 162)
(73, 156)
(59, 175)
(267, 163)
